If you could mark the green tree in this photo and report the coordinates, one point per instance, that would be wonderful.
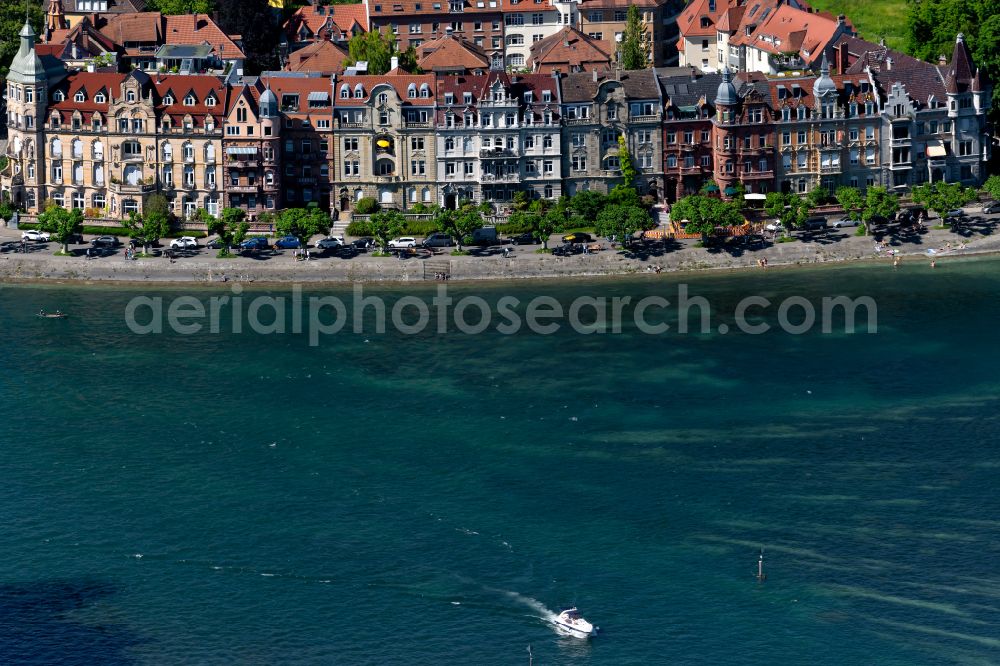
(817, 197)
(173, 7)
(255, 22)
(521, 200)
(703, 214)
(231, 228)
(623, 195)
(462, 222)
(622, 222)
(774, 204)
(879, 202)
(62, 224)
(850, 198)
(633, 51)
(302, 223)
(546, 225)
(941, 197)
(378, 48)
(796, 212)
(148, 228)
(383, 227)
(629, 172)
(992, 186)
(588, 203)
(366, 206)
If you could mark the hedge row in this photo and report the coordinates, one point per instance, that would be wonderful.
(121, 231)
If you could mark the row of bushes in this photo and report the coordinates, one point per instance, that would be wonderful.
(411, 228)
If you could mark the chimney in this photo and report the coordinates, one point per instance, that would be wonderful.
(593, 73)
(841, 19)
(888, 64)
(942, 60)
(843, 58)
(90, 66)
(393, 63)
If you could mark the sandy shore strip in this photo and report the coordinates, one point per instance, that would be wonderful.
(40, 265)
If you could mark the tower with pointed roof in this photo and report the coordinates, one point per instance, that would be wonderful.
(26, 105)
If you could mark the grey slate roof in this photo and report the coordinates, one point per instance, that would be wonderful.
(921, 79)
(685, 90)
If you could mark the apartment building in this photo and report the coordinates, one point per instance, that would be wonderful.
(416, 21)
(597, 109)
(527, 22)
(688, 156)
(743, 134)
(252, 148)
(384, 139)
(305, 107)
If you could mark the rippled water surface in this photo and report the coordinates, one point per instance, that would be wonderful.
(426, 499)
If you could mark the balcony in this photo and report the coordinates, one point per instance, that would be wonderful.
(132, 157)
(902, 141)
(579, 121)
(757, 175)
(417, 124)
(692, 169)
(498, 153)
(501, 178)
(645, 119)
(242, 189)
(344, 123)
(385, 178)
(829, 168)
(243, 164)
(899, 166)
(306, 181)
(128, 188)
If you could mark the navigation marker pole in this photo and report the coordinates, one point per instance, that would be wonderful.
(761, 576)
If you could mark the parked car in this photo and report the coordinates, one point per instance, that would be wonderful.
(255, 243)
(347, 251)
(438, 240)
(36, 235)
(214, 244)
(775, 226)
(184, 243)
(991, 207)
(523, 239)
(330, 243)
(105, 241)
(288, 243)
(567, 249)
(815, 224)
(402, 242)
(954, 214)
(578, 237)
(363, 244)
(845, 222)
(485, 236)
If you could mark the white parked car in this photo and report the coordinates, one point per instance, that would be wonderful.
(845, 222)
(35, 235)
(184, 242)
(403, 242)
(777, 225)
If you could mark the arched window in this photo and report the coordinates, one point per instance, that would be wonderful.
(97, 150)
(425, 90)
(209, 152)
(411, 91)
(168, 152)
(130, 97)
(209, 124)
(59, 96)
(345, 91)
(359, 91)
(77, 149)
(79, 96)
(188, 152)
(55, 148)
(99, 98)
(449, 143)
(97, 122)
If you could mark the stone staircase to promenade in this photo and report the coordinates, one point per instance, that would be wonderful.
(435, 267)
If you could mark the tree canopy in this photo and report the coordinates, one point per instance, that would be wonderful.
(703, 214)
(61, 223)
(378, 48)
(231, 227)
(992, 186)
(622, 221)
(303, 223)
(633, 51)
(173, 7)
(384, 226)
(941, 197)
(879, 202)
(850, 198)
(254, 21)
(629, 172)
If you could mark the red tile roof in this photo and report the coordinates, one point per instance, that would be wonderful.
(322, 56)
(399, 82)
(343, 18)
(788, 29)
(690, 20)
(568, 50)
(90, 83)
(450, 53)
(153, 27)
(202, 87)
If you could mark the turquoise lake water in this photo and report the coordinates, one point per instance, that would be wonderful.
(428, 499)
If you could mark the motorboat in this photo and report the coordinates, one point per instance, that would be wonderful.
(52, 315)
(571, 622)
